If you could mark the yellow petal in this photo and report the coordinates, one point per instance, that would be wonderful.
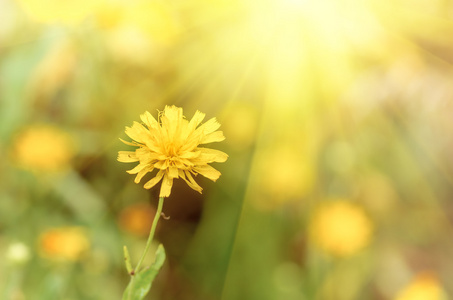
(213, 137)
(146, 157)
(210, 126)
(171, 121)
(155, 180)
(189, 180)
(130, 144)
(127, 156)
(207, 171)
(161, 164)
(209, 156)
(142, 173)
(190, 155)
(165, 189)
(186, 162)
(137, 169)
(179, 165)
(172, 172)
(200, 134)
(194, 122)
(153, 146)
(173, 113)
(191, 143)
(149, 120)
(138, 133)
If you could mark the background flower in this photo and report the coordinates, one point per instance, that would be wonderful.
(340, 228)
(43, 148)
(65, 243)
(424, 286)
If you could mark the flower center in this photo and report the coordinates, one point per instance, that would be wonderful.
(172, 152)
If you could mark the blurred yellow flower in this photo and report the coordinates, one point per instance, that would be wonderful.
(65, 243)
(340, 228)
(137, 218)
(67, 12)
(425, 286)
(171, 145)
(43, 148)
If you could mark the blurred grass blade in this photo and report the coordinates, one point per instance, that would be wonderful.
(141, 282)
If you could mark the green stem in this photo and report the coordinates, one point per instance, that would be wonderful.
(151, 233)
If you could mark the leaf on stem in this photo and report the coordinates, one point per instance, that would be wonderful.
(141, 282)
(127, 260)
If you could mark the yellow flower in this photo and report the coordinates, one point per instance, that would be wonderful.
(65, 243)
(43, 148)
(171, 146)
(340, 228)
(425, 286)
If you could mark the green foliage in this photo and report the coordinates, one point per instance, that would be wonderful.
(141, 281)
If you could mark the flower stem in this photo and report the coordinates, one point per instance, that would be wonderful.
(151, 233)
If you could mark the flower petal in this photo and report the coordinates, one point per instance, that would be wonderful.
(161, 164)
(127, 156)
(189, 180)
(142, 173)
(213, 137)
(171, 122)
(172, 172)
(134, 143)
(197, 137)
(210, 126)
(194, 122)
(155, 180)
(208, 155)
(165, 189)
(207, 171)
(149, 120)
(173, 113)
(137, 169)
(190, 155)
(138, 133)
(191, 143)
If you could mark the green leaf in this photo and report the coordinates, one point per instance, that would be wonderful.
(127, 260)
(140, 283)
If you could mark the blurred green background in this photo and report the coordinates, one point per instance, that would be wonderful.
(337, 117)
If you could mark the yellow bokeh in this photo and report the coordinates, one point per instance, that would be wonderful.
(64, 243)
(54, 11)
(425, 286)
(340, 228)
(241, 126)
(137, 218)
(43, 148)
(283, 175)
(156, 19)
